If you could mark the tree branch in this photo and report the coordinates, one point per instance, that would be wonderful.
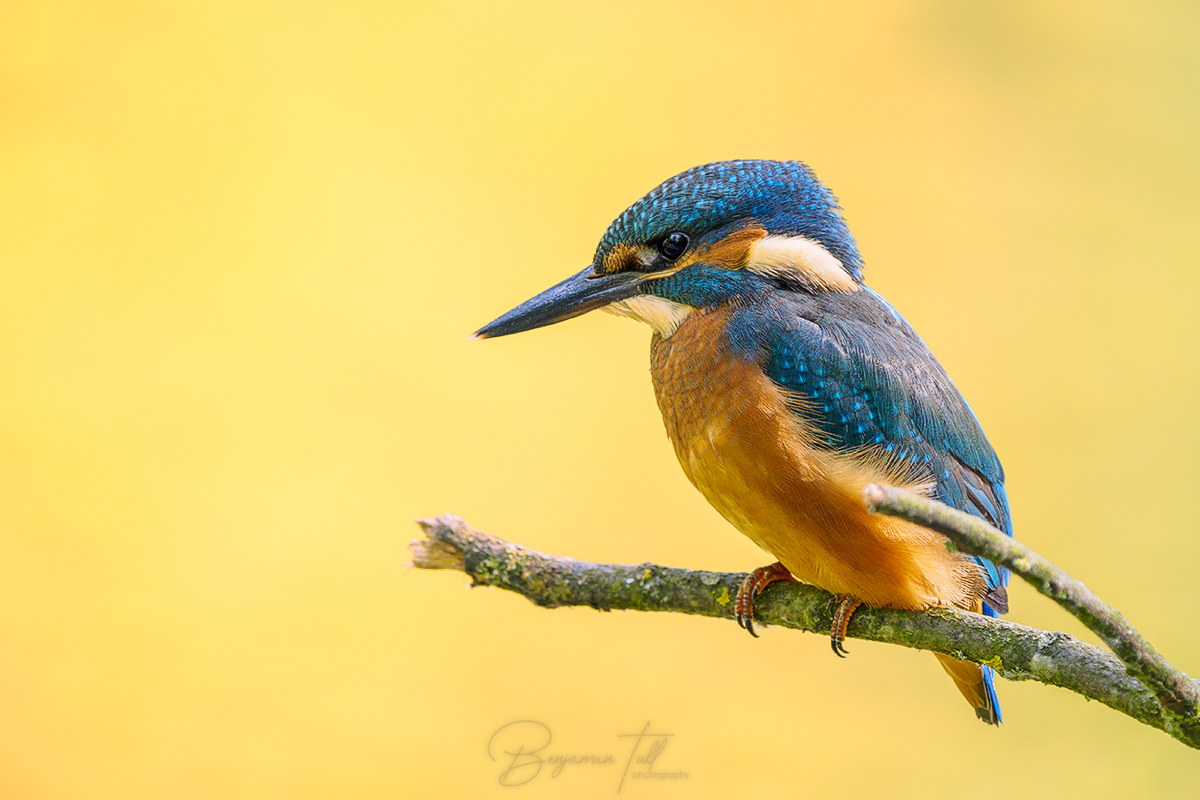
(1015, 651)
(970, 534)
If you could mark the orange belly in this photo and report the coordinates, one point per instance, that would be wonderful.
(742, 444)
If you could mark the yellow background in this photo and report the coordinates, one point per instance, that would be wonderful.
(243, 245)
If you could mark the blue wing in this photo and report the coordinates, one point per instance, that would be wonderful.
(873, 382)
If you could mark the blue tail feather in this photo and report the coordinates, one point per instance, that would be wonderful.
(989, 674)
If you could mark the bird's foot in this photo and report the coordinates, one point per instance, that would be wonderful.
(841, 620)
(754, 583)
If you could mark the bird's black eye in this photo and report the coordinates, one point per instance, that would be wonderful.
(673, 245)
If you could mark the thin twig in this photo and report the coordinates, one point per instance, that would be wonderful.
(970, 534)
(1015, 651)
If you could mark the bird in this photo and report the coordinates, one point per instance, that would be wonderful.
(786, 386)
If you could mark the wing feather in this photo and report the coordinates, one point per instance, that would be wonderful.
(868, 381)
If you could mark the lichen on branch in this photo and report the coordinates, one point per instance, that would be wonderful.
(1016, 652)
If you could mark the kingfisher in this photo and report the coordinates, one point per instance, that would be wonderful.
(786, 385)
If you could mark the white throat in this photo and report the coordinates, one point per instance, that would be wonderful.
(660, 314)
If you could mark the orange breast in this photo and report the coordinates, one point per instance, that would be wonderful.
(758, 463)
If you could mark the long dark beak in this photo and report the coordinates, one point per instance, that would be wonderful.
(578, 294)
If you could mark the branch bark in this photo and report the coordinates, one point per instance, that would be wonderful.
(1015, 651)
(970, 534)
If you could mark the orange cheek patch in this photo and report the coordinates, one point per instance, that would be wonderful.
(729, 252)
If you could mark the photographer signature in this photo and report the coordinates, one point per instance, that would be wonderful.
(521, 748)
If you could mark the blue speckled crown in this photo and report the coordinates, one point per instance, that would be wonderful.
(783, 196)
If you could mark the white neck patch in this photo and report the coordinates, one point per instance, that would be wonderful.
(800, 259)
(659, 313)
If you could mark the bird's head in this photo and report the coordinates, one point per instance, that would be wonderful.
(708, 235)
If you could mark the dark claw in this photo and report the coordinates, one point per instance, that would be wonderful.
(750, 613)
(746, 621)
(748, 593)
(749, 626)
(845, 608)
